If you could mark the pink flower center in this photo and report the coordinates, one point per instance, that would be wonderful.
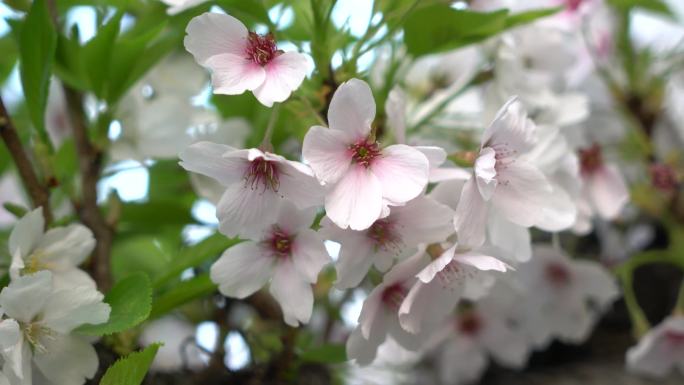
(469, 323)
(262, 173)
(573, 5)
(663, 177)
(675, 337)
(591, 159)
(364, 152)
(394, 295)
(261, 49)
(452, 273)
(557, 274)
(280, 242)
(384, 235)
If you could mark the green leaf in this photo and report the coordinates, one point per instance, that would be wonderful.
(131, 370)
(37, 45)
(183, 293)
(97, 55)
(521, 18)
(656, 6)
(131, 301)
(8, 59)
(66, 161)
(141, 253)
(326, 354)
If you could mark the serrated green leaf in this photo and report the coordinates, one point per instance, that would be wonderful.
(131, 369)
(131, 302)
(37, 45)
(183, 293)
(326, 354)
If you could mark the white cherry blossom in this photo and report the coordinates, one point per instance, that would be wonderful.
(661, 351)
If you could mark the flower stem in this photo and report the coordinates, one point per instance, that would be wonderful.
(266, 142)
(640, 323)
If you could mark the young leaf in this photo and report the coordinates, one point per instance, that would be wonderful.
(131, 301)
(8, 59)
(37, 45)
(97, 55)
(183, 293)
(131, 370)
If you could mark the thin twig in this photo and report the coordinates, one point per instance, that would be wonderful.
(39, 193)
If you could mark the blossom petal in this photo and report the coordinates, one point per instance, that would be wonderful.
(485, 172)
(293, 294)
(595, 282)
(283, 75)
(355, 259)
(481, 261)
(608, 191)
(68, 308)
(212, 34)
(395, 109)
(309, 254)
(426, 305)
(233, 74)
(356, 200)
(508, 236)
(242, 270)
(360, 349)
(428, 273)
(327, 153)
(245, 212)
(298, 184)
(26, 296)
(403, 172)
(523, 191)
(208, 159)
(511, 127)
(67, 246)
(423, 220)
(27, 232)
(471, 216)
(68, 360)
(352, 109)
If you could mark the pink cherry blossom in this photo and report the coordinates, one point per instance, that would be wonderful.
(287, 253)
(241, 60)
(660, 351)
(604, 187)
(256, 183)
(363, 178)
(421, 220)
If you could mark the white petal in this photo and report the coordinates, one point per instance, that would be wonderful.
(293, 294)
(233, 74)
(283, 75)
(423, 220)
(207, 158)
(449, 173)
(355, 259)
(471, 216)
(69, 360)
(395, 109)
(426, 306)
(298, 184)
(245, 212)
(242, 270)
(428, 273)
(293, 220)
(212, 34)
(436, 156)
(449, 191)
(326, 151)
(10, 334)
(508, 236)
(67, 246)
(511, 127)
(485, 172)
(73, 277)
(595, 282)
(403, 172)
(508, 347)
(26, 296)
(522, 193)
(361, 350)
(481, 261)
(309, 254)
(68, 308)
(27, 232)
(356, 199)
(608, 191)
(352, 109)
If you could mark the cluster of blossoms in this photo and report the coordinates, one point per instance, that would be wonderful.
(48, 298)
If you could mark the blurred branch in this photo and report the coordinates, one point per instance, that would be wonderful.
(90, 166)
(40, 195)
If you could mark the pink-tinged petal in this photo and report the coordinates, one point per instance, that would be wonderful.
(428, 273)
(212, 34)
(423, 220)
(507, 346)
(355, 259)
(373, 317)
(522, 193)
(362, 350)
(435, 155)
(356, 200)
(352, 109)
(595, 282)
(559, 212)
(471, 216)
(293, 294)
(208, 159)
(26, 233)
(449, 173)
(403, 172)
(242, 270)
(233, 74)
(298, 185)
(485, 172)
(481, 261)
(245, 212)
(395, 109)
(426, 305)
(293, 220)
(327, 152)
(309, 254)
(608, 191)
(511, 128)
(449, 191)
(284, 74)
(653, 356)
(512, 238)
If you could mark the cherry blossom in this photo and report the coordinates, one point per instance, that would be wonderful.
(256, 183)
(605, 189)
(287, 253)
(660, 351)
(421, 220)
(60, 250)
(362, 177)
(241, 60)
(36, 337)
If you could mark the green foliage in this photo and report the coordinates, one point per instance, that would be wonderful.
(8, 59)
(37, 44)
(440, 28)
(184, 292)
(141, 253)
(656, 6)
(131, 301)
(325, 354)
(131, 370)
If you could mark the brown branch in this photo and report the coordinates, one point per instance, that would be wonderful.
(90, 166)
(39, 193)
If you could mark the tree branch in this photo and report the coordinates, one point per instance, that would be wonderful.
(90, 166)
(39, 193)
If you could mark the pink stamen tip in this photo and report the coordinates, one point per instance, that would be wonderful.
(280, 242)
(394, 295)
(591, 159)
(557, 274)
(262, 174)
(261, 49)
(364, 152)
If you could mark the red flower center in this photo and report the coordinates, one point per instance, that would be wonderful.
(364, 152)
(469, 323)
(280, 242)
(591, 159)
(383, 234)
(393, 296)
(573, 5)
(262, 173)
(557, 274)
(675, 337)
(261, 49)
(663, 177)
